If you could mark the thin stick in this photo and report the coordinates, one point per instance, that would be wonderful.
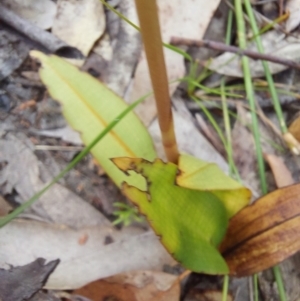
(150, 30)
(223, 47)
(47, 41)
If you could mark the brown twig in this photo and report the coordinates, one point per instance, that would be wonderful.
(223, 47)
(43, 38)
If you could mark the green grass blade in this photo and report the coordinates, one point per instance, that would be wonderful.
(6, 219)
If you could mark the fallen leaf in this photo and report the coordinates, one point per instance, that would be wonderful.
(23, 173)
(293, 8)
(106, 252)
(263, 234)
(41, 13)
(281, 173)
(79, 23)
(13, 51)
(21, 283)
(208, 295)
(134, 286)
(190, 223)
(89, 107)
(66, 134)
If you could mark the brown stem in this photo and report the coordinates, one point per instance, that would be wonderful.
(223, 47)
(150, 30)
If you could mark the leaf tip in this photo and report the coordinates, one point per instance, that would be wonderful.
(37, 55)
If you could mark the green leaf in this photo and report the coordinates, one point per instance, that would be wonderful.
(190, 223)
(89, 106)
(204, 176)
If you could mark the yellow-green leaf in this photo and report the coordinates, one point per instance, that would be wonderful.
(190, 223)
(200, 175)
(89, 106)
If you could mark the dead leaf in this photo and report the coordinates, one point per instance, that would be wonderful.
(13, 52)
(21, 283)
(265, 233)
(293, 7)
(134, 286)
(281, 173)
(41, 13)
(23, 172)
(176, 19)
(66, 134)
(79, 23)
(106, 252)
(208, 295)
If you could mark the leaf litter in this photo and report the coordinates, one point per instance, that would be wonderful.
(83, 237)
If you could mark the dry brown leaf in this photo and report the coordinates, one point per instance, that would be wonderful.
(282, 175)
(134, 286)
(209, 295)
(265, 233)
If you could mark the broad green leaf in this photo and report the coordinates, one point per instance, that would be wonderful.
(204, 176)
(190, 223)
(89, 106)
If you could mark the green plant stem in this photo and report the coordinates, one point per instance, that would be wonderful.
(6, 219)
(255, 284)
(250, 94)
(151, 35)
(279, 113)
(279, 282)
(225, 287)
(268, 74)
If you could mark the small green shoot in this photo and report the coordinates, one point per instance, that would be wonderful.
(126, 214)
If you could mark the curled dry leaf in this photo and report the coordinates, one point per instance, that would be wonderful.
(263, 234)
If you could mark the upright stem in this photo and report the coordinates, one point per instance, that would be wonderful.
(150, 30)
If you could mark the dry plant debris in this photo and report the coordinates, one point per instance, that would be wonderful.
(111, 50)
